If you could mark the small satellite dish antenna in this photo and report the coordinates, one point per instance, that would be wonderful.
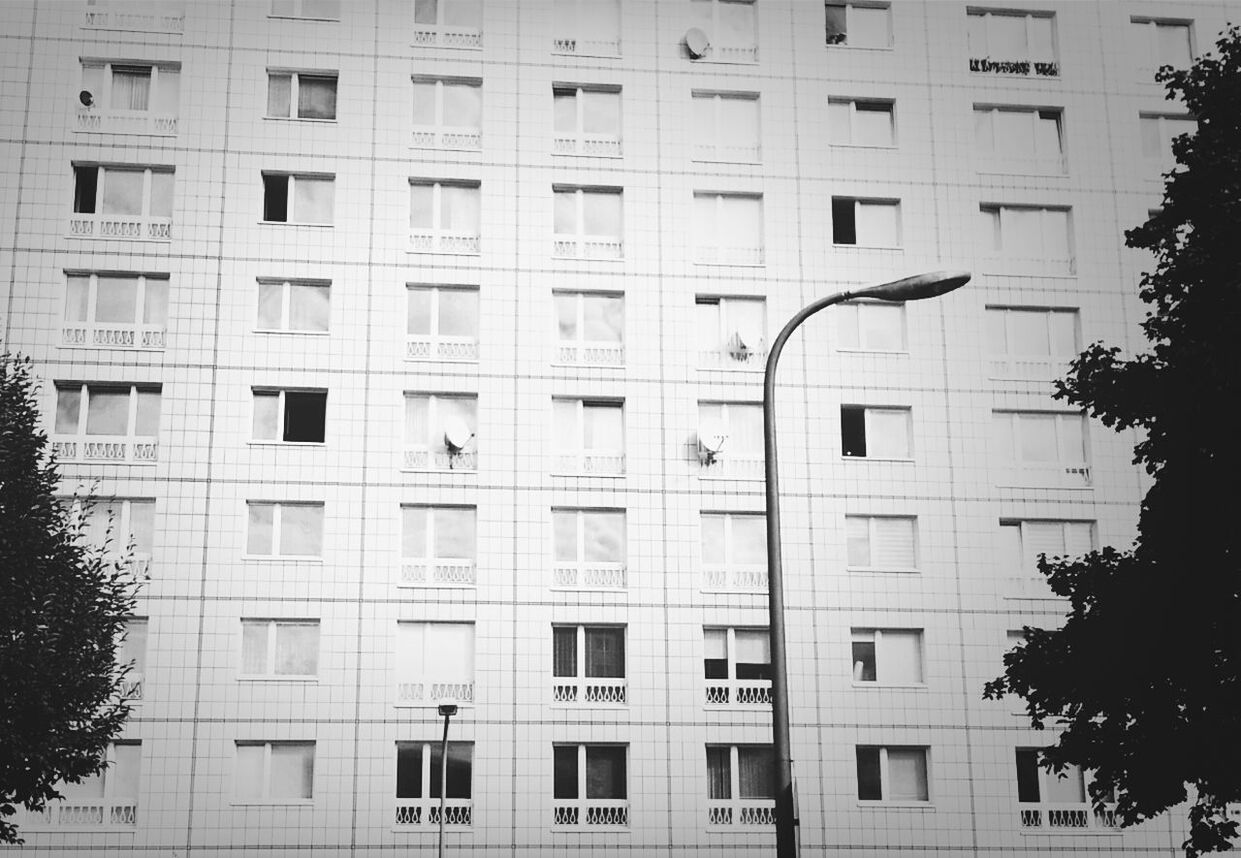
(696, 42)
(86, 98)
(712, 436)
(456, 435)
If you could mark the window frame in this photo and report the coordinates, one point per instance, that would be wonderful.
(607, 812)
(101, 178)
(868, 434)
(422, 811)
(91, 332)
(1015, 359)
(732, 691)
(436, 238)
(581, 459)
(117, 811)
(435, 345)
(726, 51)
(874, 636)
(729, 254)
(885, 778)
(439, 570)
(713, 149)
(1051, 62)
(844, 43)
(577, 141)
(298, 14)
(131, 418)
(277, 516)
(1151, 25)
(874, 202)
(992, 161)
(287, 286)
(871, 541)
(291, 198)
(104, 105)
(266, 798)
(851, 312)
(1023, 570)
(1019, 464)
(1002, 262)
(295, 76)
(440, 135)
(273, 626)
(732, 575)
(852, 102)
(282, 415)
(434, 445)
(752, 357)
(580, 244)
(457, 688)
(1165, 156)
(573, 44)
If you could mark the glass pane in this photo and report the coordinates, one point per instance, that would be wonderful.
(1047, 135)
(713, 545)
(156, 310)
(564, 651)
(147, 423)
(900, 657)
(566, 427)
(863, 652)
(459, 313)
(872, 124)
(297, 649)
(604, 537)
(601, 214)
(564, 533)
(868, 27)
(1022, 230)
(161, 193)
(1056, 234)
(605, 771)
(133, 647)
(131, 88)
(1012, 133)
(424, 103)
(753, 646)
(976, 35)
(756, 773)
(77, 296)
(453, 408)
(719, 772)
(1064, 334)
(271, 297)
(463, 105)
(421, 206)
(1007, 37)
(409, 770)
(983, 135)
(907, 771)
(292, 771)
(460, 763)
(603, 318)
(418, 311)
(107, 411)
(411, 655)
(564, 112)
(455, 533)
(313, 200)
(254, 647)
(601, 113)
(868, 785)
(142, 525)
(749, 539)
(309, 307)
(258, 534)
(414, 531)
(1027, 775)
(1040, 34)
(847, 326)
(857, 536)
(1029, 332)
(122, 191)
(565, 305)
(450, 648)
(425, 11)
(742, 222)
(736, 23)
(301, 529)
(266, 416)
(883, 326)
(605, 653)
(1072, 446)
(117, 299)
(564, 763)
(279, 93)
(316, 97)
(836, 27)
(603, 428)
(321, 9)
(839, 124)
(716, 643)
(460, 206)
(1036, 434)
(417, 420)
(739, 119)
(1173, 45)
(1152, 141)
(877, 224)
(887, 433)
(745, 429)
(463, 13)
(168, 92)
(564, 214)
(249, 772)
(1068, 787)
(893, 542)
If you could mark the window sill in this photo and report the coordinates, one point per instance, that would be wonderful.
(303, 444)
(297, 333)
(896, 805)
(291, 223)
(883, 570)
(917, 686)
(884, 147)
(310, 119)
(301, 18)
(888, 247)
(260, 803)
(899, 459)
(282, 558)
(844, 46)
(861, 351)
(745, 163)
(296, 680)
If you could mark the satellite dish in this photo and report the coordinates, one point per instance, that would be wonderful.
(86, 98)
(712, 436)
(456, 435)
(696, 42)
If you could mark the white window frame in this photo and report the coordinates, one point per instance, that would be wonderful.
(1040, 367)
(1074, 545)
(583, 460)
(424, 813)
(432, 454)
(286, 306)
(579, 351)
(732, 462)
(440, 135)
(845, 42)
(445, 35)
(738, 811)
(290, 202)
(434, 345)
(298, 10)
(874, 636)
(733, 576)
(1067, 818)
(885, 779)
(265, 797)
(580, 245)
(712, 144)
(1164, 156)
(437, 239)
(136, 334)
(1034, 473)
(1149, 28)
(580, 689)
(103, 117)
(133, 685)
(277, 515)
(567, 38)
(273, 629)
(578, 142)
(1042, 264)
(858, 240)
(282, 415)
(579, 573)
(850, 315)
(724, 51)
(122, 528)
(109, 811)
(732, 691)
(592, 813)
(872, 524)
(421, 688)
(868, 411)
(131, 447)
(852, 105)
(433, 568)
(992, 159)
(1011, 65)
(295, 76)
(110, 225)
(753, 356)
(729, 254)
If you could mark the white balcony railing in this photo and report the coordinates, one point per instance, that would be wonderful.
(595, 145)
(423, 459)
(590, 354)
(140, 564)
(131, 227)
(588, 247)
(741, 813)
(431, 693)
(96, 335)
(1068, 818)
(725, 153)
(118, 122)
(590, 813)
(736, 579)
(142, 21)
(87, 815)
(132, 686)
(587, 47)
(438, 241)
(442, 36)
(591, 691)
(1045, 475)
(751, 359)
(1026, 368)
(437, 572)
(103, 448)
(728, 255)
(740, 467)
(439, 137)
(427, 347)
(589, 576)
(425, 812)
(591, 462)
(738, 693)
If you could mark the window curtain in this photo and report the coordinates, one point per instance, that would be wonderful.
(605, 653)
(719, 778)
(564, 651)
(755, 772)
(131, 88)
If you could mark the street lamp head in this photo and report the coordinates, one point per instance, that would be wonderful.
(919, 286)
(448, 709)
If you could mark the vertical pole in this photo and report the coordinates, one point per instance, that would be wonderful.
(443, 782)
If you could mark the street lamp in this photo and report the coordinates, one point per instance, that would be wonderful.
(908, 289)
(447, 710)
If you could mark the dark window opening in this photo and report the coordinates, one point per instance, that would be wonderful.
(868, 784)
(316, 97)
(409, 771)
(844, 223)
(564, 651)
(85, 189)
(605, 653)
(836, 31)
(864, 661)
(276, 198)
(1027, 774)
(565, 764)
(853, 430)
(715, 668)
(753, 670)
(605, 772)
(460, 761)
(304, 416)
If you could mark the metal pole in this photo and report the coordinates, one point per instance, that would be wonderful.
(786, 823)
(443, 781)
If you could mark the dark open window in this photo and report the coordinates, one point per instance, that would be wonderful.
(565, 762)
(1027, 774)
(836, 31)
(844, 221)
(85, 189)
(275, 198)
(864, 661)
(304, 416)
(853, 430)
(868, 783)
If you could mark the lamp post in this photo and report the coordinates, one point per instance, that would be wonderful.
(447, 710)
(908, 289)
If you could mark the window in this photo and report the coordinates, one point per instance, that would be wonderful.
(730, 28)
(1042, 449)
(1026, 343)
(1056, 801)
(1013, 43)
(439, 545)
(444, 217)
(122, 202)
(106, 422)
(726, 127)
(589, 436)
(590, 785)
(875, 433)
(588, 223)
(301, 95)
(324, 10)
(1028, 239)
(858, 25)
(294, 306)
(588, 664)
(130, 98)
(884, 542)
(1158, 132)
(588, 549)
(590, 328)
(871, 326)
(441, 432)
(419, 779)
(441, 323)
(866, 223)
(113, 525)
(737, 667)
(275, 772)
(113, 310)
(891, 774)
(589, 28)
(291, 416)
(105, 800)
(310, 198)
(1023, 542)
(732, 332)
(284, 529)
(734, 552)
(730, 438)
(1018, 140)
(434, 663)
(887, 656)
(279, 649)
(586, 120)
(1161, 43)
(858, 122)
(448, 113)
(448, 23)
(741, 785)
(131, 652)
(728, 229)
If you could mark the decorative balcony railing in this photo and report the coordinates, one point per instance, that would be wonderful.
(437, 241)
(431, 693)
(590, 813)
(94, 335)
(438, 137)
(738, 693)
(751, 578)
(104, 18)
(426, 347)
(593, 691)
(741, 813)
(586, 144)
(725, 153)
(739, 467)
(116, 122)
(132, 686)
(588, 247)
(1027, 368)
(586, 47)
(746, 54)
(103, 448)
(1023, 67)
(80, 815)
(425, 812)
(591, 462)
(591, 354)
(1045, 475)
(589, 576)
(1050, 817)
(728, 255)
(423, 459)
(131, 227)
(443, 36)
(751, 359)
(437, 572)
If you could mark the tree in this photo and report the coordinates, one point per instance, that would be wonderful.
(62, 609)
(1144, 676)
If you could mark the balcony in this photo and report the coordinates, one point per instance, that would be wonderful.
(590, 691)
(592, 145)
(132, 686)
(437, 137)
(444, 36)
(423, 459)
(588, 247)
(1071, 819)
(733, 359)
(590, 354)
(586, 47)
(738, 54)
(1045, 475)
(736, 579)
(591, 463)
(738, 693)
(728, 255)
(141, 20)
(427, 347)
(725, 153)
(589, 576)
(742, 467)
(96, 335)
(1005, 368)
(437, 572)
(590, 813)
(741, 813)
(118, 122)
(438, 241)
(433, 693)
(103, 448)
(131, 227)
(86, 815)
(424, 813)
(1015, 67)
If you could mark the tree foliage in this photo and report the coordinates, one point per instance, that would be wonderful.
(1144, 677)
(62, 608)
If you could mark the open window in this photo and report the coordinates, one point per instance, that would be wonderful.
(290, 416)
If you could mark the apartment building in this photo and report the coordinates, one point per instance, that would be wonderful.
(418, 346)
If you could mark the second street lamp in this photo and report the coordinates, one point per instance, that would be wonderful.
(907, 289)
